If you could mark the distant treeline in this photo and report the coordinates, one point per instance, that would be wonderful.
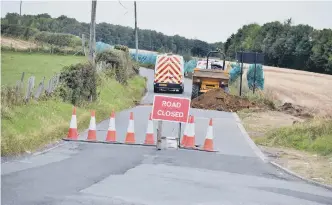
(111, 34)
(298, 47)
(284, 45)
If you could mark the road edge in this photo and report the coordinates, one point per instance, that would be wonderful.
(300, 177)
(251, 143)
(261, 155)
(146, 90)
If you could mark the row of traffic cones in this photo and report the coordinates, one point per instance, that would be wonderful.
(188, 139)
(111, 132)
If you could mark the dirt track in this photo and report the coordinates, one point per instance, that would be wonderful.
(16, 43)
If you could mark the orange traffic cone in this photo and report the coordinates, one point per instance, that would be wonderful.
(186, 129)
(190, 141)
(149, 138)
(111, 133)
(92, 127)
(130, 137)
(208, 143)
(72, 133)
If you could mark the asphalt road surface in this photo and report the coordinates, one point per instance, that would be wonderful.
(92, 173)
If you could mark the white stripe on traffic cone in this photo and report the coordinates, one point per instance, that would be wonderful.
(149, 138)
(72, 133)
(186, 130)
(111, 133)
(130, 137)
(190, 141)
(208, 143)
(92, 127)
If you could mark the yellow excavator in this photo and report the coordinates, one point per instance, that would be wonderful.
(214, 75)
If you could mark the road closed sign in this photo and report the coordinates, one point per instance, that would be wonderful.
(173, 109)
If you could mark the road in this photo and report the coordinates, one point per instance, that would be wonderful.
(92, 173)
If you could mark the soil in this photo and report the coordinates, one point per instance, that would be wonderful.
(217, 99)
(295, 110)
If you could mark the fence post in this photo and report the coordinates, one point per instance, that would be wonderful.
(30, 87)
(40, 89)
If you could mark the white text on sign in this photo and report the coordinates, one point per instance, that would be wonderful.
(171, 104)
(170, 113)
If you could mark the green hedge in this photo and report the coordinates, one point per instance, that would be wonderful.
(58, 39)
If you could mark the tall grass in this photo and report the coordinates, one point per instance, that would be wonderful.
(314, 135)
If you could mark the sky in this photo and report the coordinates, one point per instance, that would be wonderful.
(210, 21)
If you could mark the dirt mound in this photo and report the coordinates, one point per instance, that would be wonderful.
(217, 99)
(294, 110)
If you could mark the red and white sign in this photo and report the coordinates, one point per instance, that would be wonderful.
(173, 109)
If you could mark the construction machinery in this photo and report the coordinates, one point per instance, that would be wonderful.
(213, 76)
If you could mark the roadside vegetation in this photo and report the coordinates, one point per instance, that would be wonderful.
(313, 135)
(306, 133)
(28, 126)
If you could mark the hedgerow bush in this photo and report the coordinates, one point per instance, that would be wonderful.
(120, 63)
(122, 48)
(59, 39)
(78, 83)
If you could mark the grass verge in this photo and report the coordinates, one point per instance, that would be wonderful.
(313, 135)
(13, 64)
(29, 127)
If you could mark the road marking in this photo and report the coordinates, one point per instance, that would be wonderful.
(300, 177)
(47, 150)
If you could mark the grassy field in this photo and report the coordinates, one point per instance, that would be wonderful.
(39, 65)
(31, 126)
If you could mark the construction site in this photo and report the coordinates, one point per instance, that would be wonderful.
(142, 107)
